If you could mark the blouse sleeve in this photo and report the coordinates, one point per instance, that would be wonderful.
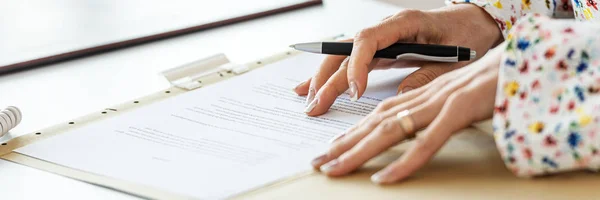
(507, 12)
(547, 115)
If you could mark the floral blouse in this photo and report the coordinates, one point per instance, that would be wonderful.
(547, 115)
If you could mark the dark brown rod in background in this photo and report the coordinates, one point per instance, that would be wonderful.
(127, 43)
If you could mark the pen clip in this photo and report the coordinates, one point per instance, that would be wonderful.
(420, 57)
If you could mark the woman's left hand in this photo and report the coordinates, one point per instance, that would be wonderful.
(449, 103)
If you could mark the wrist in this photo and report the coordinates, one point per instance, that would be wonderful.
(469, 24)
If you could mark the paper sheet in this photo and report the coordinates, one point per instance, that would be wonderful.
(218, 141)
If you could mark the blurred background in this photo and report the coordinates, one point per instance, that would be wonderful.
(39, 32)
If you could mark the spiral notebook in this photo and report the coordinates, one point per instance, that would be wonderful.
(288, 141)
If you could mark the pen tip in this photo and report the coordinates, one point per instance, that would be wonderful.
(473, 54)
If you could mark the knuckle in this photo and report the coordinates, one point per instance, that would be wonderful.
(388, 126)
(424, 76)
(344, 64)
(375, 120)
(411, 15)
(316, 81)
(408, 13)
(379, 108)
(387, 17)
(421, 144)
(352, 128)
(384, 105)
(337, 148)
(331, 89)
(363, 121)
(412, 12)
(366, 33)
(319, 78)
(324, 89)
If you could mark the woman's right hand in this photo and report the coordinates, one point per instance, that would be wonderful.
(462, 25)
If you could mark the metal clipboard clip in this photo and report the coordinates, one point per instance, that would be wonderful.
(189, 76)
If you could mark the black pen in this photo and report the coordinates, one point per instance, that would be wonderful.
(404, 51)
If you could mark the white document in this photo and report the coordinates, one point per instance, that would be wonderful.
(217, 141)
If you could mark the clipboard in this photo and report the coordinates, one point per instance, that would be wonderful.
(138, 22)
(467, 167)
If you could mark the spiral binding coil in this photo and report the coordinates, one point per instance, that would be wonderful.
(10, 117)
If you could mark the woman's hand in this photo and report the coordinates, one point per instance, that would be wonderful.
(465, 25)
(449, 103)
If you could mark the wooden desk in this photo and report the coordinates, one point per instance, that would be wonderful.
(467, 167)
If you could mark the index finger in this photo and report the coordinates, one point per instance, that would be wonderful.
(369, 40)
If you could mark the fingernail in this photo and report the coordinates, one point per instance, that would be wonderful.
(311, 106)
(381, 176)
(329, 166)
(337, 137)
(406, 89)
(311, 95)
(318, 160)
(353, 91)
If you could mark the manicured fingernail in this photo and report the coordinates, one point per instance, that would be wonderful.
(381, 176)
(353, 91)
(311, 106)
(318, 160)
(311, 95)
(406, 89)
(329, 166)
(337, 137)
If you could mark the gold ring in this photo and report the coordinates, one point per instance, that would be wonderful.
(406, 121)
